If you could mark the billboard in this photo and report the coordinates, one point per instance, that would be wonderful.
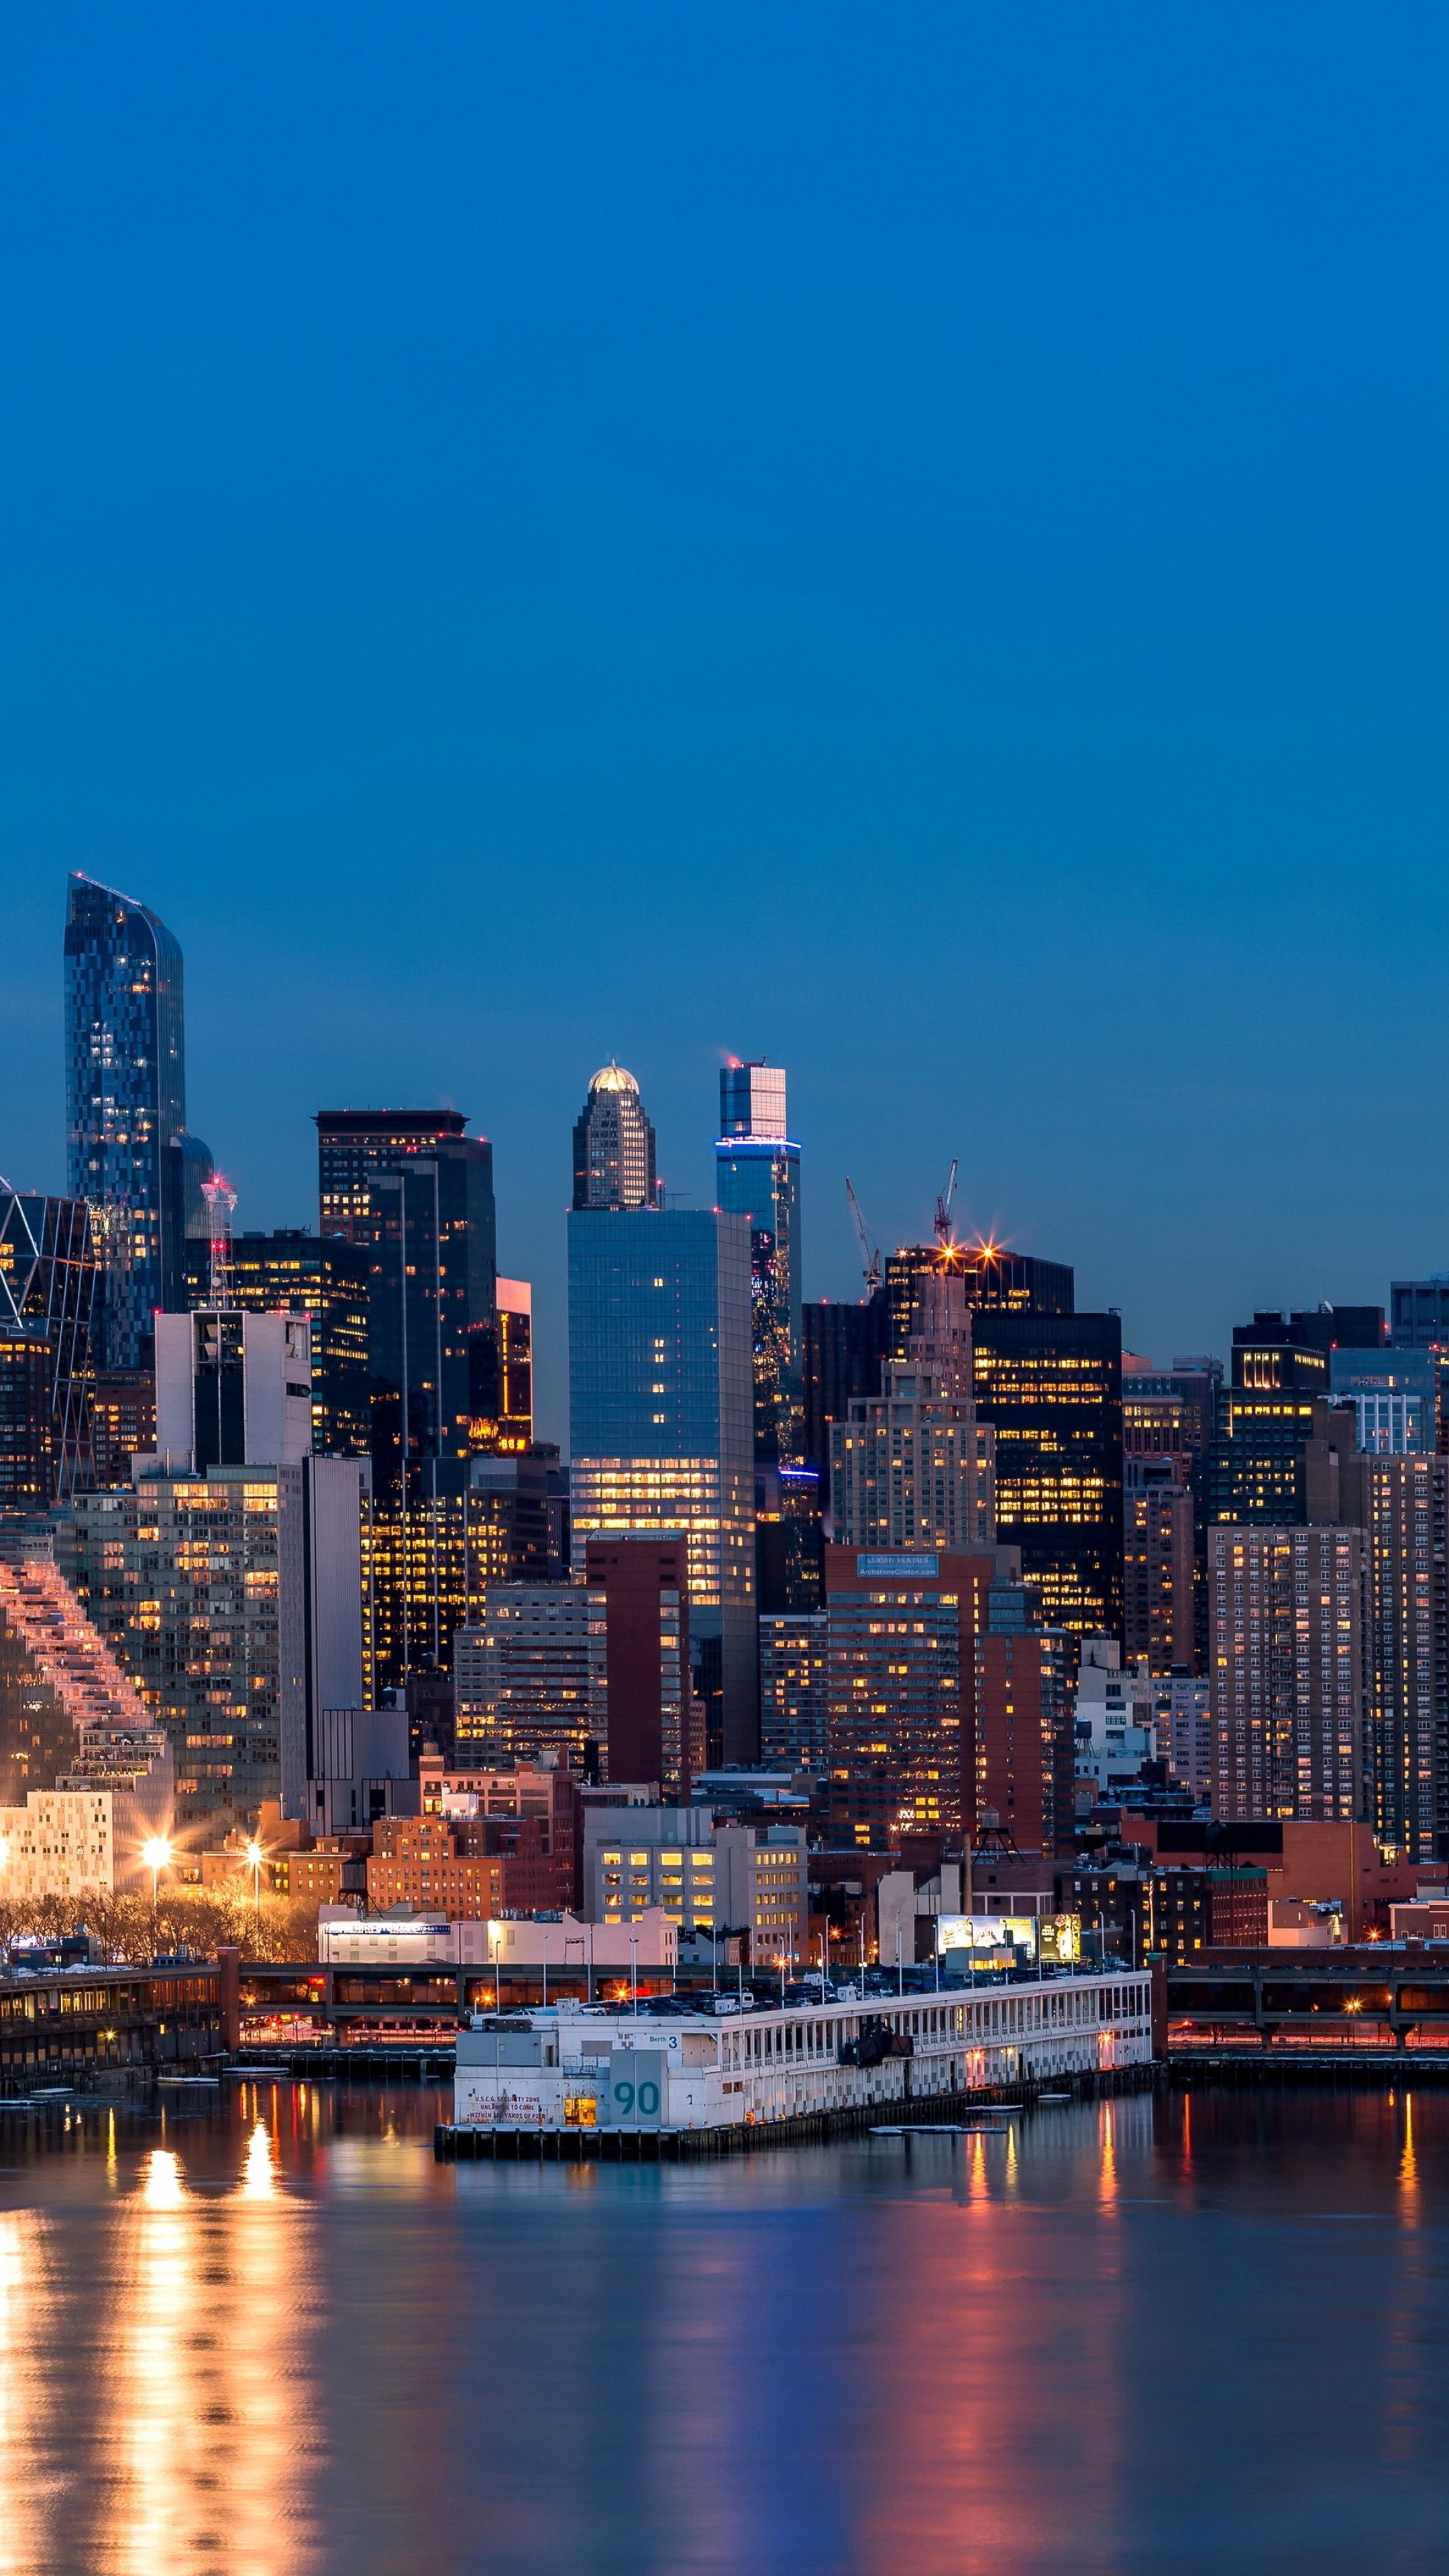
(1054, 1939)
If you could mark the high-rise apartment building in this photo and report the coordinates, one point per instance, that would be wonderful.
(900, 1676)
(1051, 1388)
(1287, 1671)
(1174, 1413)
(1020, 1765)
(1404, 1508)
(125, 1064)
(236, 1600)
(757, 1176)
(648, 1721)
(1158, 1564)
(662, 1423)
(1183, 1720)
(614, 1145)
(48, 1279)
(792, 1688)
(525, 1675)
(324, 1277)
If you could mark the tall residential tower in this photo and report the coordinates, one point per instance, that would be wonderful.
(127, 1151)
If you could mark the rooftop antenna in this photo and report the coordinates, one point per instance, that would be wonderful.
(220, 1199)
(870, 1250)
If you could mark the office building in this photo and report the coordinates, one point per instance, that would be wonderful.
(524, 1675)
(233, 1389)
(501, 1373)
(542, 1796)
(709, 1879)
(1022, 1771)
(236, 1600)
(792, 1689)
(1287, 1671)
(1404, 1509)
(125, 1065)
(123, 1423)
(900, 1679)
(1051, 1388)
(518, 1517)
(1008, 1282)
(1271, 1355)
(913, 1468)
(757, 1176)
(1395, 1399)
(1419, 1313)
(1183, 1721)
(361, 1769)
(417, 1192)
(614, 1146)
(844, 1347)
(324, 1277)
(1277, 1459)
(661, 1416)
(48, 1279)
(1158, 1588)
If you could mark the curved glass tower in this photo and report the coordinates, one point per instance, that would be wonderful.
(125, 1100)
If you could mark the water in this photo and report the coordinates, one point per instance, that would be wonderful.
(272, 2336)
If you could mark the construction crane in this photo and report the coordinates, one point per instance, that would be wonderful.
(870, 1250)
(941, 1222)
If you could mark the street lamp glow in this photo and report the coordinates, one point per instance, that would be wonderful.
(254, 1859)
(156, 1854)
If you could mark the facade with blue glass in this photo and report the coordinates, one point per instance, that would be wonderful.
(125, 1080)
(758, 1176)
(661, 1417)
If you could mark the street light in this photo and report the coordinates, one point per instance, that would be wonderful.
(493, 1939)
(255, 1856)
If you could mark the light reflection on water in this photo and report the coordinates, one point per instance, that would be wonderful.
(276, 2337)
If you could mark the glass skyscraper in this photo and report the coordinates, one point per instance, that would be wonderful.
(758, 1176)
(125, 1083)
(661, 1419)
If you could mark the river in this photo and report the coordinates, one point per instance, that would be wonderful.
(270, 2336)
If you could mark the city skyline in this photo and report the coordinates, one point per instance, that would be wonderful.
(831, 1258)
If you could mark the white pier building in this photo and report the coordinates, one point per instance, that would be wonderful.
(580, 2067)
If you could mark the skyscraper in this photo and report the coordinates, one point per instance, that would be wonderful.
(418, 1193)
(1158, 1565)
(614, 1145)
(1287, 1672)
(47, 1306)
(1404, 1508)
(661, 1415)
(295, 1272)
(125, 1080)
(1051, 1387)
(757, 1175)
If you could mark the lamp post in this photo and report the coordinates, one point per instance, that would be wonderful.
(255, 1857)
(634, 1972)
(497, 1985)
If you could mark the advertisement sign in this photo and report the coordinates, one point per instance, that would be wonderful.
(1055, 1939)
(1061, 1939)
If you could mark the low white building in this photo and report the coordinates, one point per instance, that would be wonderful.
(705, 1877)
(572, 2068)
(650, 1942)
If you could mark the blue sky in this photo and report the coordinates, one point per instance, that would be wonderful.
(913, 543)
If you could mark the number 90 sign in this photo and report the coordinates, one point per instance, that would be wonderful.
(636, 2099)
